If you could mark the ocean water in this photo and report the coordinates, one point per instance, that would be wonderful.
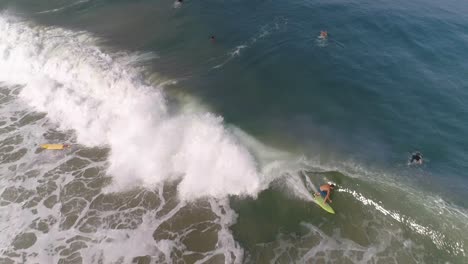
(187, 150)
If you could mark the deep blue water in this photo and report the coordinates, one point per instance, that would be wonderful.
(390, 80)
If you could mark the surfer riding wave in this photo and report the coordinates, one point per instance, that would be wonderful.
(325, 191)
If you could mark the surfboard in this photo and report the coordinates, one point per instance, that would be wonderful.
(55, 146)
(325, 206)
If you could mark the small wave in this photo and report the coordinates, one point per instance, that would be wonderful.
(266, 30)
(63, 7)
(321, 42)
(237, 50)
(231, 55)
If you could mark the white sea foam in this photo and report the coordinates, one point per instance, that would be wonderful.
(102, 98)
(329, 244)
(80, 87)
(317, 246)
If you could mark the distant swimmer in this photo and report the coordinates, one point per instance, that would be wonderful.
(213, 39)
(416, 158)
(325, 191)
(178, 3)
(323, 34)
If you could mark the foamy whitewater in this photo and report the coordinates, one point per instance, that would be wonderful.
(106, 103)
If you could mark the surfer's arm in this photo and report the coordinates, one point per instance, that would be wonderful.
(327, 197)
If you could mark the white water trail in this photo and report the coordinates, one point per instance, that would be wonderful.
(63, 7)
(439, 239)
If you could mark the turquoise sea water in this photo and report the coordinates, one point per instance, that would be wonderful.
(389, 80)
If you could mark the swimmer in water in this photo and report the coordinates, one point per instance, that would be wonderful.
(212, 38)
(323, 34)
(178, 3)
(416, 158)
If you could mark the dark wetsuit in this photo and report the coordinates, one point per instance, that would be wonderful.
(415, 157)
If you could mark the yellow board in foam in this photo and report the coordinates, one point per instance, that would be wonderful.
(325, 206)
(55, 146)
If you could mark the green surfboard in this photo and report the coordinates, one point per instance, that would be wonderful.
(319, 200)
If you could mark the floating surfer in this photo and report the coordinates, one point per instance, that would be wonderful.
(416, 158)
(325, 191)
(322, 39)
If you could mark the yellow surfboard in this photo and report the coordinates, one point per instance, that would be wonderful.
(55, 146)
(325, 206)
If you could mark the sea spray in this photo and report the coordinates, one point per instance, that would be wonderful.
(80, 87)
